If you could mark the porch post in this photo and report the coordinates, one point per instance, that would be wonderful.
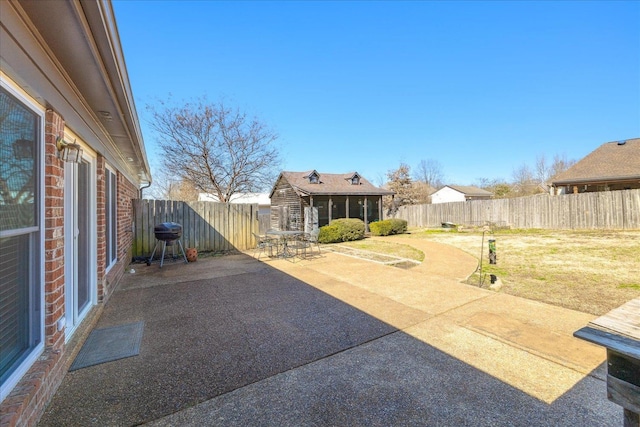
(330, 208)
(380, 209)
(307, 220)
(366, 219)
(346, 206)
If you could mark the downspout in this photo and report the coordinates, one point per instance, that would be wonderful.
(142, 188)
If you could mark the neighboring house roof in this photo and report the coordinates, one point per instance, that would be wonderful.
(612, 161)
(259, 198)
(471, 191)
(330, 184)
(422, 187)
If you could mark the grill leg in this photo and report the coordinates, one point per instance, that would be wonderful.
(153, 253)
(184, 255)
(164, 247)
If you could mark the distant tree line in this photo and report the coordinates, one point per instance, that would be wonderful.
(428, 177)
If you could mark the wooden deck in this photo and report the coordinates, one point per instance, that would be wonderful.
(624, 320)
(619, 332)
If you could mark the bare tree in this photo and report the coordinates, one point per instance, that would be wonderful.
(218, 149)
(544, 172)
(182, 190)
(560, 164)
(499, 187)
(168, 187)
(525, 182)
(430, 172)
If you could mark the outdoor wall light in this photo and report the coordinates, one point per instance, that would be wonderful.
(69, 151)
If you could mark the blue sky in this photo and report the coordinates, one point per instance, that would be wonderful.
(480, 87)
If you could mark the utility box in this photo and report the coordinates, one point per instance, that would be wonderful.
(619, 332)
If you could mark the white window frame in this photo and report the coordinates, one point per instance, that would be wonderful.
(38, 263)
(73, 318)
(111, 217)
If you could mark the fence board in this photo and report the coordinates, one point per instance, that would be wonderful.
(206, 226)
(604, 210)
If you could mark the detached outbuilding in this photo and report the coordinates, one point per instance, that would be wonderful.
(612, 166)
(460, 193)
(304, 201)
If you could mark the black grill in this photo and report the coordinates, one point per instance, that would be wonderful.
(168, 231)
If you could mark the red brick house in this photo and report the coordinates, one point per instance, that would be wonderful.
(73, 159)
(307, 200)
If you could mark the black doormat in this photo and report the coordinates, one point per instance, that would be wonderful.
(109, 344)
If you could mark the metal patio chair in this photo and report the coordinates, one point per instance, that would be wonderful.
(264, 243)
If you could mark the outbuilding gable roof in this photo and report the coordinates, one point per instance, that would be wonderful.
(612, 161)
(471, 191)
(331, 184)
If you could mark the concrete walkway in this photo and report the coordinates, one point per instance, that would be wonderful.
(337, 341)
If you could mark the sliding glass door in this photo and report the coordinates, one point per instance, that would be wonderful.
(79, 253)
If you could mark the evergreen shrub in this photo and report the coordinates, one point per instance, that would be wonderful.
(342, 230)
(388, 226)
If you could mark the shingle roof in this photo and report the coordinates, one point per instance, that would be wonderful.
(331, 183)
(612, 161)
(471, 191)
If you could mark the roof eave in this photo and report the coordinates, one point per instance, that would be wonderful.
(602, 180)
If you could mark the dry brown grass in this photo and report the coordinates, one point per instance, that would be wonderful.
(588, 271)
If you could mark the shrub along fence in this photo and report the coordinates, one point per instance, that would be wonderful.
(602, 210)
(206, 226)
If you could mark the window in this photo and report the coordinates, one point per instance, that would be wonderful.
(355, 180)
(313, 178)
(20, 236)
(111, 216)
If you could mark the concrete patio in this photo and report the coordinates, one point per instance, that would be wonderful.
(336, 341)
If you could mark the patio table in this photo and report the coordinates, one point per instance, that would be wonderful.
(285, 236)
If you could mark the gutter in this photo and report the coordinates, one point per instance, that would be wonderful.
(596, 180)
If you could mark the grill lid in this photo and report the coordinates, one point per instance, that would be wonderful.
(168, 231)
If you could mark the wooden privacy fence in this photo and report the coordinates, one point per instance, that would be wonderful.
(206, 226)
(602, 210)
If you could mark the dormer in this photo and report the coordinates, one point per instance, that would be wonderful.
(313, 177)
(354, 179)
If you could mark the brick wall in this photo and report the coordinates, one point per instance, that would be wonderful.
(126, 192)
